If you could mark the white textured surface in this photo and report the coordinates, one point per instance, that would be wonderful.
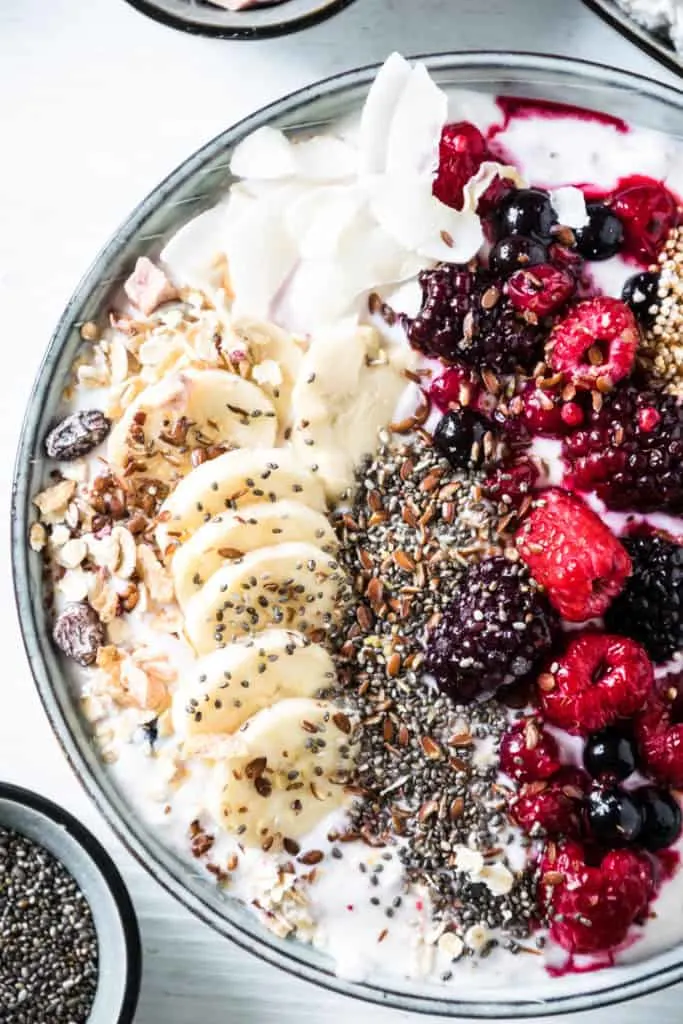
(99, 103)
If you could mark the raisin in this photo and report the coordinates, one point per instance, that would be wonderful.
(78, 632)
(77, 435)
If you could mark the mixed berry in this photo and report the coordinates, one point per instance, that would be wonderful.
(575, 614)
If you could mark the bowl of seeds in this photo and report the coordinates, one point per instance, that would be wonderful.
(69, 941)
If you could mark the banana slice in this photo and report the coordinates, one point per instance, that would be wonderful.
(285, 772)
(231, 481)
(229, 686)
(190, 409)
(236, 533)
(276, 356)
(292, 585)
(348, 387)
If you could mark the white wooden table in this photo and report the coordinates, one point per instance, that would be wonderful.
(97, 103)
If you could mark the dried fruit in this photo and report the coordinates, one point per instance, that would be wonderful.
(596, 341)
(594, 905)
(650, 607)
(571, 553)
(599, 679)
(496, 630)
(79, 633)
(77, 434)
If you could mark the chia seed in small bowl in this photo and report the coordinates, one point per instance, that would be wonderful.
(69, 940)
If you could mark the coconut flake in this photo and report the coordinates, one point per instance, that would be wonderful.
(261, 256)
(569, 204)
(266, 154)
(405, 207)
(324, 158)
(376, 118)
(190, 255)
(415, 130)
(318, 218)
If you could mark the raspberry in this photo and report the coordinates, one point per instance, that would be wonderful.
(650, 607)
(465, 318)
(552, 806)
(647, 212)
(599, 679)
(659, 732)
(529, 753)
(512, 482)
(596, 341)
(627, 466)
(455, 386)
(497, 629)
(540, 290)
(592, 907)
(571, 553)
(462, 150)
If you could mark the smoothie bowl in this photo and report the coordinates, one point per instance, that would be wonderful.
(347, 530)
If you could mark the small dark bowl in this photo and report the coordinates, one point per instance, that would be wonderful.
(203, 18)
(118, 936)
(651, 43)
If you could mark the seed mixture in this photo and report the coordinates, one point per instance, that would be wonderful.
(663, 342)
(48, 943)
(414, 526)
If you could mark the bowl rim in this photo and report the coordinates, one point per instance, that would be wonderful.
(641, 37)
(325, 10)
(111, 876)
(658, 976)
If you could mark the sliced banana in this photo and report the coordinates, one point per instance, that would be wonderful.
(231, 481)
(228, 686)
(285, 771)
(189, 409)
(293, 585)
(348, 387)
(276, 357)
(236, 533)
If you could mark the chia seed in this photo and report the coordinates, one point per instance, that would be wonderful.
(48, 943)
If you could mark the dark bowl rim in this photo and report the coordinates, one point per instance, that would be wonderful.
(622, 990)
(639, 36)
(111, 875)
(281, 28)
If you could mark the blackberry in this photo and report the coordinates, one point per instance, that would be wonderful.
(650, 607)
(630, 452)
(465, 317)
(496, 630)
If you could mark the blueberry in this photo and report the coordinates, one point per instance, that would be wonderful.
(459, 436)
(640, 293)
(609, 752)
(516, 253)
(661, 818)
(525, 211)
(602, 236)
(614, 817)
